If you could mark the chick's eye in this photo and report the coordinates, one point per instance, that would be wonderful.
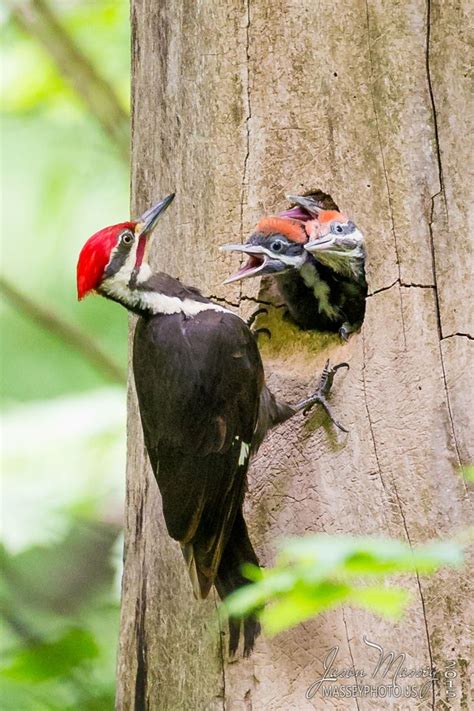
(277, 246)
(127, 238)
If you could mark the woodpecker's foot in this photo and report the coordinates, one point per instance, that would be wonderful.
(251, 320)
(323, 389)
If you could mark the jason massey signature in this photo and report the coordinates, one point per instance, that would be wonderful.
(401, 681)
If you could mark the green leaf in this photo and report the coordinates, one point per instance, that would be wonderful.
(46, 660)
(253, 596)
(389, 602)
(344, 555)
(301, 604)
(252, 572)
(316, 573)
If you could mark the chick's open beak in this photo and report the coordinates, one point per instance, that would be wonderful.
(306, 203)
(253, 266)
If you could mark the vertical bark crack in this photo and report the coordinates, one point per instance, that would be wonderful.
(402, 516)
(140, 703)
(420, 591)
(440, 194)
(350, 652)
(248, 116)
(369, 418)
(221, 653)
(428, 637)
(141, 677)
(435, 115)
(243, 191)
(384, 167)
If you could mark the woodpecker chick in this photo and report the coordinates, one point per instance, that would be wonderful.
(319, 294)
(337, 244)
(277, 245)
(203, 403)
(276, 248)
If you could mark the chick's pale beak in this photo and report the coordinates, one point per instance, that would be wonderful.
(147, 221)
(321, 244)
(255, 263)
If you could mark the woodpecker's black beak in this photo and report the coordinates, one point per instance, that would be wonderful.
(146, 222)
(256, 263)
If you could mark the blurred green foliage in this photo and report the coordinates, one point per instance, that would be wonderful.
(60, 609)
(61, 558)
(61, 181)
(317, 573)
(63, 432)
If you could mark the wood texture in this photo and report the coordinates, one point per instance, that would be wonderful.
(236, 104)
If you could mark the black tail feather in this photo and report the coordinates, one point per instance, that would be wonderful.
(229, 577)
(234, 635)
(252, 630)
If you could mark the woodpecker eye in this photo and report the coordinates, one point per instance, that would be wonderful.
(126, 238)
(338, 228)
(277, 246)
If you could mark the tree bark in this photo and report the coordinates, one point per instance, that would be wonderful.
(234, 105)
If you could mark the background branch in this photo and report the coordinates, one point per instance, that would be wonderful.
(70, 335)
(37, 19)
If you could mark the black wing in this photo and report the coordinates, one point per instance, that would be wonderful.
(198, 382)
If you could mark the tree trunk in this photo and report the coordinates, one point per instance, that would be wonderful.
(234, 105)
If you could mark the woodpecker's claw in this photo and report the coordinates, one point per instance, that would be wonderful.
(251, 320)
(257, 312)
(323, 389)
(327, 376)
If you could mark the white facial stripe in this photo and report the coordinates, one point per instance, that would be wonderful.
(291, 261)
(125, 272)
(295, 261)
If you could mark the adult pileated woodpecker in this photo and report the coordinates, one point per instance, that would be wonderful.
(203, 403)
(320, 292)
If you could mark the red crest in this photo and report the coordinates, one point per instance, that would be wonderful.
(326, 216)
(292, 229)
(95, 255)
